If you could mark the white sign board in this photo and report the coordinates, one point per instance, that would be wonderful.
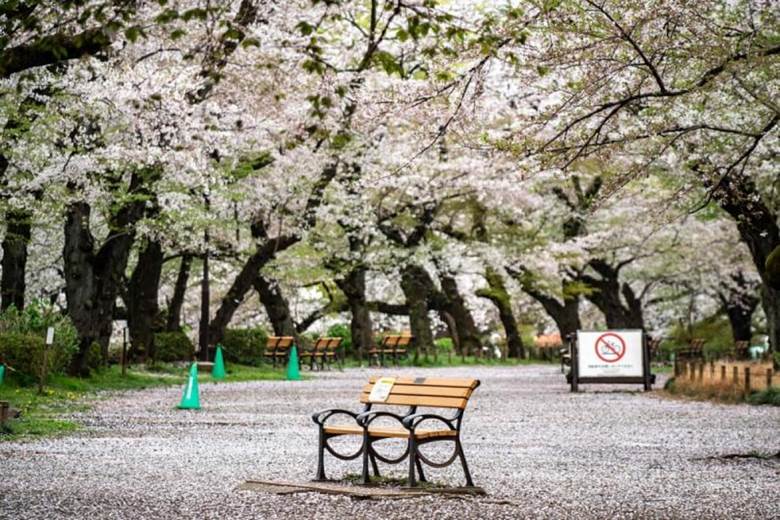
(381, 390)
(615, 353)
(50, 335)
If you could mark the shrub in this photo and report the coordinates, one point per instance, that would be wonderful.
(343, 331)
(173, 346)
(29, 327)
(245, 346)
(769, 396)
(444, 345)
(24, 353)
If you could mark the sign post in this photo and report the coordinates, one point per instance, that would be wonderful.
(610, 357)
(44, 358)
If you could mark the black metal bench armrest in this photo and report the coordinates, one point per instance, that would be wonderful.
(410, 422)
(366, 418)
(321, 417)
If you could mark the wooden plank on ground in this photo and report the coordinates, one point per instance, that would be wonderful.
(356, 492)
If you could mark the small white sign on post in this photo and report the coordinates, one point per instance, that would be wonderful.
(50, 336)
(381, 390)
(610, 354)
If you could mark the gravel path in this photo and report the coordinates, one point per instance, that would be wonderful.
(539, 451)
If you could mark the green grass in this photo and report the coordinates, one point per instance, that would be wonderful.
(41, 414)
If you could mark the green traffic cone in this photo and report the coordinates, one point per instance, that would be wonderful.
(293, 371)
(190, 399)
(2, 373)
(218, 370)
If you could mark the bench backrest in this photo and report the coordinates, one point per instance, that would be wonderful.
(334, 343)
(389, 341)
(278, 343)
(425, 391)
(321, 344)
(403, 342)
(396, 342)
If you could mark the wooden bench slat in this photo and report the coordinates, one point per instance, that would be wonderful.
(420, 400)
(432, 381)
(398, 433)
(436, 391)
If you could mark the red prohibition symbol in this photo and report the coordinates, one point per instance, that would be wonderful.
(610, 347)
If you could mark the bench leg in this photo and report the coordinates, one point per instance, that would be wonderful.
(320, 458)
(374, 465)
(469, 482)
(366, 447)
(412, 461)
(420, 471)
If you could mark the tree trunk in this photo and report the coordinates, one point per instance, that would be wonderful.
(455, 306)
(757, 226)
(353, 285)
(739, 299)
(498, 295)
(93, 279)
(566, 315)
(770, 302)
(92, 283)
(276, 306)
(143, 310)
(173, 323)
(244, 282)
(14, 265)
(417, 286)
(606, 295)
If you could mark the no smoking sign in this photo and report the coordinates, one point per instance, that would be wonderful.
(610, 353)
(610, 347)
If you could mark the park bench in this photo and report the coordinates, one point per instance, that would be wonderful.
(332, 352)
(393, 346)
(397, 348)
(318, 350)
(694, 350)
(323, 353)
(565, 352)
(408, 392)
(277, 349)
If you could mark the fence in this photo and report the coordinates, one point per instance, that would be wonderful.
(745, 376)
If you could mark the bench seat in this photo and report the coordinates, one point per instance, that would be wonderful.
(399, 433)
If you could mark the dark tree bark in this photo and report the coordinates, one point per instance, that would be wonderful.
(566, 315)
(498, 295)
(93, 278)
(143, 310)
(18, 220)
(267, 249)
(55, 48)
(453, 304)
(621, 307)
(353, 285)
(757, 226)
(417, 287)
(17, 239)
(173, 323)
(739, 300)
(244, 282)
(276, 306)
